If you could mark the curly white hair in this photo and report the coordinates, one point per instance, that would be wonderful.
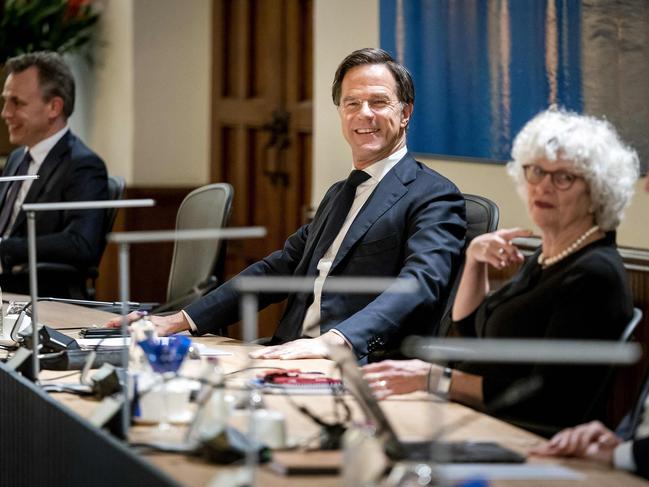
(608, 165)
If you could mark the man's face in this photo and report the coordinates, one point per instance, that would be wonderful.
(372, 117)
(28, 117)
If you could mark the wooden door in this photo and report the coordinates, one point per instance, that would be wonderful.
(262, 122)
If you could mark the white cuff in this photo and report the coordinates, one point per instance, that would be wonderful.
(623, 457)
(192, 325)
(347, 342)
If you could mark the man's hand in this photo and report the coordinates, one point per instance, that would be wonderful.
(399, 376)
(302, 348)
(164, 325)
(593, 441)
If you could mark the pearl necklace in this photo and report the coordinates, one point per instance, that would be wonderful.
(548, 261)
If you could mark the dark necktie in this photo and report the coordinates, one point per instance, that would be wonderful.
(12, 194)
(340, 208)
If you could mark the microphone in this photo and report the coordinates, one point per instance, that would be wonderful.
(98, 304)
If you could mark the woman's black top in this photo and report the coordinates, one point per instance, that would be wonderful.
(584, 296)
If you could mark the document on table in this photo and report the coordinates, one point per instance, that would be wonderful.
(120, 342)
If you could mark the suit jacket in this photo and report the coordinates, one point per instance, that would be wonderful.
(70, 172)
(412, 226)
(641, 456)
(627, 430)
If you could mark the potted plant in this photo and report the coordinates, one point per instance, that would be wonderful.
(37, 25)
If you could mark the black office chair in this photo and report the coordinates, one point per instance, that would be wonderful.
(482, 216)
(65, 280)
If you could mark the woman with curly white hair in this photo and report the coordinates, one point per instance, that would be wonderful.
(576, 177)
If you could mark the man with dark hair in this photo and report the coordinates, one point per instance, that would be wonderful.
(38, 98)
(392, 217)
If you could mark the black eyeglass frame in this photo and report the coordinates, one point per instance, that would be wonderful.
(555, 176)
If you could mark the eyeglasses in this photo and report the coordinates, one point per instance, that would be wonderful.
(562, 180)
(377, 105)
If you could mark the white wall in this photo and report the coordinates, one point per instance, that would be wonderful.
(340, 26)
(336, 36)
(145, 106)
(172, 56)
(108, 121)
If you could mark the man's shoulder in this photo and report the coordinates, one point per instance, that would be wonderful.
(426, 176)
(76, 150)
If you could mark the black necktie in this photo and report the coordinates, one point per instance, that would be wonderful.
(12, 193)
(340, 208)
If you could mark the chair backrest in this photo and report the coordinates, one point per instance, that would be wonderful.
(207, 207)
(116, 187)
(616, 388)
(482, 216)
(627, 334)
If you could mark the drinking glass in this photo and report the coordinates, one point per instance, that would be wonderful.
(165, 355)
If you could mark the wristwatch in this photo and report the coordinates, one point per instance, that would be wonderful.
(444, 382)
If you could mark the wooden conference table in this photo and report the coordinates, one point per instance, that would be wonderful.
(413, 417)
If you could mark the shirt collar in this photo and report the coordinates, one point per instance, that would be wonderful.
(39, 151)
(381, 168)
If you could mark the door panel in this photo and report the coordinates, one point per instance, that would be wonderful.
(262, 121)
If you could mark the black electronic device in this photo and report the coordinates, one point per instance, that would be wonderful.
(101, 333)
(75, 359)
(49, 340)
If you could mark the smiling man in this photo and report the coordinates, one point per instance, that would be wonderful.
(38, 98)
(392, 217)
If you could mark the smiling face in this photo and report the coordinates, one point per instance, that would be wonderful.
(28, 116)
(373, 119)
(559, 212)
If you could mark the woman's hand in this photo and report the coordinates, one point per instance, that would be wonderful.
(399, 376)
(496, 248)
(591, 440)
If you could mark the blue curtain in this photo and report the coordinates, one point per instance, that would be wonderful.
(482, 68)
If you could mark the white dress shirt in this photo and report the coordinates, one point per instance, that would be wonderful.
(311, 324)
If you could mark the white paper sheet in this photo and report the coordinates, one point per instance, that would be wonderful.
(119, 342)
(508, 471)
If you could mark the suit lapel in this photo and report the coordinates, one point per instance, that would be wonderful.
(51, 163)
(390, 190)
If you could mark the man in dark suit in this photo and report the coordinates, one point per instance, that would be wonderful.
(393, 217)
(626, 449)
(38, 100)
